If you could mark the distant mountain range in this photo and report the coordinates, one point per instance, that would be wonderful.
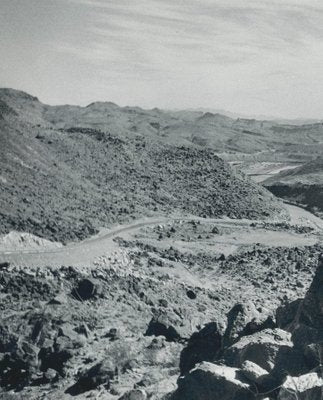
(279, 120)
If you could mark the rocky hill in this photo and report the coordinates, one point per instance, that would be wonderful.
(67, 170)
(221, 133)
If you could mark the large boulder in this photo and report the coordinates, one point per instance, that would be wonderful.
(204, 345)
(209, 381)
(168, 324)
(304, 387)
(270, 349)
(253, 372)
(244, 319)
(86, 289)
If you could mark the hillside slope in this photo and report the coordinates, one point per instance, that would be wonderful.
(302, 185)
(63, 182)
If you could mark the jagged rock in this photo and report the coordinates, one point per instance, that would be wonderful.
(209, 381)
(305, 387)
(253, 372)
(134, 394)
(61, 349)
(204, 345)
(99, 374)
(244, 319)
(86, 289)
(263, 348)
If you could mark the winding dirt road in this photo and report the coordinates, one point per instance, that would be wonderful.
(85, 252)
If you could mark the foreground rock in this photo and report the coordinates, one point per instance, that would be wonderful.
(243, 320)
(265, 348)
(204, 345)
(213, 382)
(305, 387)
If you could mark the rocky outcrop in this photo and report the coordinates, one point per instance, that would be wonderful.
(245, 319)
(204, 345)
(263, 348)
(285, 364)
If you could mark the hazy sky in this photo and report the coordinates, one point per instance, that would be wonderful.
(246, 56)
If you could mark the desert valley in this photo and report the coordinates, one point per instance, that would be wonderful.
(154, 254)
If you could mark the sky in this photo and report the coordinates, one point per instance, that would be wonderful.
(252, 57)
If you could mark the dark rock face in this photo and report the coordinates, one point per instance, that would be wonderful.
(204, 345)
(286, 314)
(85, 290)
(311, 309)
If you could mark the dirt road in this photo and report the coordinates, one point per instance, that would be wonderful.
(242, 234)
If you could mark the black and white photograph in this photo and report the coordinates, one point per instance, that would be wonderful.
(161, 200)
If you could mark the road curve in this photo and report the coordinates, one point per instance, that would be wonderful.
(85, 252)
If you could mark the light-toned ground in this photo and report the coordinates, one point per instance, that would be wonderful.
(260, 171)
